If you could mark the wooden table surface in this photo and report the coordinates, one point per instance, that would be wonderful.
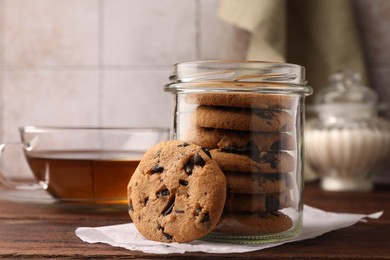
(30, 231)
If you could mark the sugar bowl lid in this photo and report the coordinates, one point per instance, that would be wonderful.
(345, 94)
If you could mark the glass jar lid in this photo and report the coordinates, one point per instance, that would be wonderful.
(250, 76)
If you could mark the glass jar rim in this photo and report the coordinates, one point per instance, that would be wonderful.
(238, 75)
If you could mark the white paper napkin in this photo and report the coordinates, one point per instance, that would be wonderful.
(315, 223)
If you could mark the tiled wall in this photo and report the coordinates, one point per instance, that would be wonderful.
(104, 62)
(101, 62)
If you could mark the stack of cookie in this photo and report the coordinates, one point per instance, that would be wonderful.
(249, 135)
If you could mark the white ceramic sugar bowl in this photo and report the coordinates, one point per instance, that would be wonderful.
(347, 140)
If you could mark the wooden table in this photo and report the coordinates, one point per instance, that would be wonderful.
(28, 231)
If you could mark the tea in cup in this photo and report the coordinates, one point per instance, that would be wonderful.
(80, 163)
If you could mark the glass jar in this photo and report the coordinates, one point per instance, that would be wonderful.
(347, 140)
(250, 116)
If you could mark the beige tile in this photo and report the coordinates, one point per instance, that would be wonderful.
(1, 33)
(149, 32)
(136, 98)
(1, 66)
(51, 32)
(49, 98)
(219, 39)
(1, 105)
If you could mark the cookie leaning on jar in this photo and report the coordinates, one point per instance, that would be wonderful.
(177, 193)
(249, 137)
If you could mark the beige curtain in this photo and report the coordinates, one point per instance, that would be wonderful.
(318, 34)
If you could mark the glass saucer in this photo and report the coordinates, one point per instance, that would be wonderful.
(42, 198)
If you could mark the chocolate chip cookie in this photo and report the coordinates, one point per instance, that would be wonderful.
(263, 162)
(239, 141)
(243, 119)
(177, 193)
(271, 203)
(254, 224)
(247, 100)
(256, 183)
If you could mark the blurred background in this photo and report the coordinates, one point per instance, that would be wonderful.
(105, 62)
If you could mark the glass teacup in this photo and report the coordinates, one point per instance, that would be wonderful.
(78, 164)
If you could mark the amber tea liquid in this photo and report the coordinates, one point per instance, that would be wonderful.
(93, 175)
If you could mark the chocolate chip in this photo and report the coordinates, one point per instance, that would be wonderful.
(206, 219)
(169, 210)
(198, 160)
(272, 204)
(162, 193)
(276, 145)
(198, 211)
(249, 148)
(169, 207)
(183, 145)
(167, 236)
(274, 164)
(254, 151)
(266, 115)
(157, 155)
(156, 169)
(207, 152)
(183, 182)
(271, 158)
(268, 157)
(188, 167)
(235, 149)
